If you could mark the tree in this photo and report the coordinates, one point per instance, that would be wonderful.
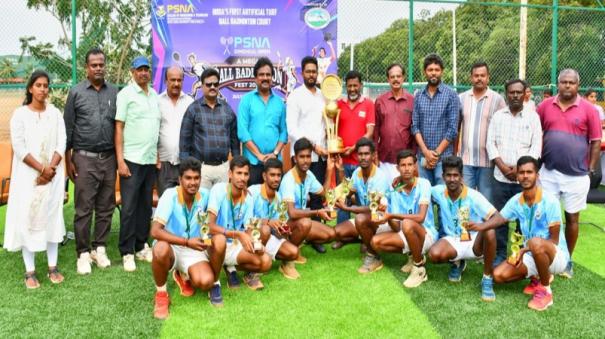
(7, 69)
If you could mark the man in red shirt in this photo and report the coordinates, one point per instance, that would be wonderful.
(392, 132)
(356, 121)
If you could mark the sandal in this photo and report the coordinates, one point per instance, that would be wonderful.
(31, 281)
(54, 275)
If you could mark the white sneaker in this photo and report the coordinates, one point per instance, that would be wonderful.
(407, 268)
(129, 265)
(417, 277)
(145, 254)
(100, 257)
(83, 264)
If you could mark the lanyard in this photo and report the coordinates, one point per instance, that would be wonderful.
(232, 216)
(302, 193)
(187, 217)
(530, 220)
(456, 211)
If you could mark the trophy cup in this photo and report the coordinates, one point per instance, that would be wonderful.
(331, 88)
(463, 218)
(282, 210)
(202, 220)
(516, 240)
(343, 189)
(374, 200)
(331, 201)
(254, 225)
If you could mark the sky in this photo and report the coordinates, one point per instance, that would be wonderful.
(358, 20)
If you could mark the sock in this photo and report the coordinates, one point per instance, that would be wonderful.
(218, 282)
(28, 260)
(419, 264)
(487, 276)
(52, 252)
(230, 269)
(161, 288)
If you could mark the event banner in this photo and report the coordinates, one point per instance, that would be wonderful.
(230, 36)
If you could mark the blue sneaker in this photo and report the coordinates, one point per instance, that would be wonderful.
(215, 296)
(455, 274)
(487, 289)
(232, 279)
(568, 272)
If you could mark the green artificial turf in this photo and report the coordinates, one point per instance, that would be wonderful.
(331, 300)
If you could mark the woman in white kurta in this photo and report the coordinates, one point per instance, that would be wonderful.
(34, 216)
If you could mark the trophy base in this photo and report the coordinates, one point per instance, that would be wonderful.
(465, 237)
(513, 259)
(332, 214)
(257, 246)
(207, 241)
(334, 146)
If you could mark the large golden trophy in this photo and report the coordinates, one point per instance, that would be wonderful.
(516, 240)
(202, 220)
(282, 211)
(331, 88)
(463, 218)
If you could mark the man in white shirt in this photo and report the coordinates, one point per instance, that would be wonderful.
(304, 118)
(173, 104)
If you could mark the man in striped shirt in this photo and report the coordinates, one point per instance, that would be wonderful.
(478, 105)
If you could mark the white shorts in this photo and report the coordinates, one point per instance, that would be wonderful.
(557, 266)
(273, 245)
(390, 170)
(571, 189)
(428, 242)
(231, 253)
(464, 249)
(185, 257)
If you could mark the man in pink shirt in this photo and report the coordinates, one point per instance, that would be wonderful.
(571, 149)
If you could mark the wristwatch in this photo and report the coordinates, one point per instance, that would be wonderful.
(276, 153)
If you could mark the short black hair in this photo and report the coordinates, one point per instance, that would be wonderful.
(208, 72)
(308, 60)
(479, 64)
(529, 159)
(238, 161)
(190, 163)
(302, 144)
(432, 58)
(272, 163)
(514, 81)
(262, 62)
(94, 50)
(589, 91)
(393, 65)
(353, 75)
(549, 91)
(452, 162)
(365, 142)
(406, 153)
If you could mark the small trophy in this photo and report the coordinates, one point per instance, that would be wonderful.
(343, 189)
(282, 210)
(202, 220)
(374, 201)
(331, 88)
(331, 201)
(254, 225)
(516, 240)
(463, 218)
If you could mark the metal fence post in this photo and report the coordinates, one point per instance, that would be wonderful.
(411, 48)
(555, 47)
(74, 66)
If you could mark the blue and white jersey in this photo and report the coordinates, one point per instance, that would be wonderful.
(172, 212)
(400, 202)
(293, 189)
(263, 207)
(377, 182)
(232, 215)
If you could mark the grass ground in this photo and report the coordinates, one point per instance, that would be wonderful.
(330, 301)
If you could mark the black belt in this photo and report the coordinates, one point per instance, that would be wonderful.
(214, 162)
(98, 155)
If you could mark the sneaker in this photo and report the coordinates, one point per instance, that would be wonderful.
(407, 268)
(184, 285)
(162, 301)
(128, 261)
(455, 274)
(288, 269)
(99, 257)
(370, 264)
(145, 254)
(216, 296)
(541, 300)
(417, 277)
(253, 281)
(534, 282)
(83, 264)
(487, 289)
(300, 259)
(232, 279)
(568, 272)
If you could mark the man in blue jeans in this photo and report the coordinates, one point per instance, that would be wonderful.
(434, 121)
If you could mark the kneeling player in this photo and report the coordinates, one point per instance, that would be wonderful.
(409, 204)
(544, 251)
(179, 246)
(230, 209)
(460, 205)
(281, 241)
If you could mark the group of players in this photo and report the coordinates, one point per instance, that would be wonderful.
(404, 224)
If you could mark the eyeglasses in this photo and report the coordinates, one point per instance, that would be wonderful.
(211, 84)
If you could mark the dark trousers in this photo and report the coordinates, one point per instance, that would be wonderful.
(168, 176)
(318, 168)
(95, 187)
(256, 174)
(501, 193)
(137, 199)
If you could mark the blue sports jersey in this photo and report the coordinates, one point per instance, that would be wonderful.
(535, 221)
(263, 208)
(377, 181)
(293, 189)
(229, 214)
(172, 212)
(400, 202)
(469, 202)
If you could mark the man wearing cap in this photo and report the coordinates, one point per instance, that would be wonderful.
(136, 139)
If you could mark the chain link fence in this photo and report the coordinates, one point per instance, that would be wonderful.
(372, 35)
